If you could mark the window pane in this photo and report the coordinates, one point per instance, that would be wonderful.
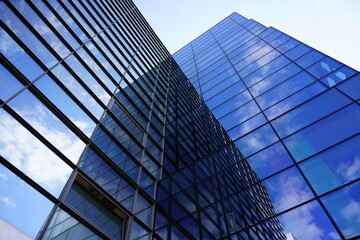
(94, 210)
(301, 116)
(239, 115)
(284, 89)
(48, 125)
(294, 100)
(64, 226)
(351, 87)
(256, 140)
(287, 189)
(308, 222)
(309, 58)
(323, 67)
(31, 156)
(247, 126)
(52, 91)
(334, 167)
(338, 76)
(231, 104)
(17, 56)
(324, 133)
(344, 207)
(8, 84)
(21, 205)
(270, 160)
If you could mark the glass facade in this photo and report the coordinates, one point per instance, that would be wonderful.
(293, 113)
(245, 133)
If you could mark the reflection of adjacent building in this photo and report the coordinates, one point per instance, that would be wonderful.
(207, 190)
(203, 189)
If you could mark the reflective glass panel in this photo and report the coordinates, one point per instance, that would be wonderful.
(270, 160)
(287, 189)
(301, 116)
(308, 222)
(344, 207)
(334, 167)
(31, 156)
(21, 205)
(324, 133)
(351, 87)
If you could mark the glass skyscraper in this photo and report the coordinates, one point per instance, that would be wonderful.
(245, 133)
(293, 113)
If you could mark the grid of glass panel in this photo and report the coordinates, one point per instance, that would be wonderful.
(83, 93)
(294, 115)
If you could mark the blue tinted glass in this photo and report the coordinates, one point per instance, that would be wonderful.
(266, 70)
(284, 89)
(268, 31)
(311, 111)
(287, 189)
(297, 51)
(335, 167)
(226, 94)
(231, 104)
(308, 222)
(223, 63)
(256, 140)
(255, 56)
(245, 49)
(247, 126)
(220, 85)
(207, 83)
(274, 79)
(338, 76)
(294, 100)
(272, 61)
(52, 91)
(324, 133)
(276, 33)
(239, 115)
(218, 72)
(344, 206)
(288, 45)
(309, 58)
(351, 87)
(270, 160)
(280, 40)
(323, 67)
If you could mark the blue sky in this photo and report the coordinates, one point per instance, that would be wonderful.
(331, 26)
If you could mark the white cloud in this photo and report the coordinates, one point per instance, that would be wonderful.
(8, 47)
(349, 170)
(7, 201)
(288, 191)
(291, 190)
(28, 154)
(352, 214)
(3, 176)
(81, 124)
(300, 223)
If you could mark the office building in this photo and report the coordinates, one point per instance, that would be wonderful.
(103, 136)
(293, 112)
